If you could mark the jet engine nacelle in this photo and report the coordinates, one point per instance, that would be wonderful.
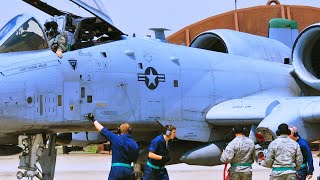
(242, 44)
(81, 139)
(306, 56)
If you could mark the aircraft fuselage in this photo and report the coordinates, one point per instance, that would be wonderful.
(140, 81)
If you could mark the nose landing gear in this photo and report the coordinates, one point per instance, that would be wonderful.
(36, 150)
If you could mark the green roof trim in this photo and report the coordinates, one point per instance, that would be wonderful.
(283, 23)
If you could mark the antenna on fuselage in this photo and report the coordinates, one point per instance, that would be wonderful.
(159, 33)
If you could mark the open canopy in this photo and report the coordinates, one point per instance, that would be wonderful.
(94, 7)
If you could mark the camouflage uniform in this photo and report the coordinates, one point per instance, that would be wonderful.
(58, 42)
(285, 157)
(240, 153)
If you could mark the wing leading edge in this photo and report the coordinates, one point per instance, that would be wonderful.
(247, 111)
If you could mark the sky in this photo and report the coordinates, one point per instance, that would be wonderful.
(137, 16)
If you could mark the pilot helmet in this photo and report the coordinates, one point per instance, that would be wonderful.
(51, 26)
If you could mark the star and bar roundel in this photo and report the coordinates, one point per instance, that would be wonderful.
(151, 78)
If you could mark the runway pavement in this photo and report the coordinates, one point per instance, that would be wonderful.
(97, 166)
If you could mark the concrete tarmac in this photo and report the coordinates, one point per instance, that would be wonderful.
(96, 167)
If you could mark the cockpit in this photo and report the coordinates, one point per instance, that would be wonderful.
(23, 32)
(86, 32)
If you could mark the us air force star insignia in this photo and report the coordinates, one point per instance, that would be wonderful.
(151, 78)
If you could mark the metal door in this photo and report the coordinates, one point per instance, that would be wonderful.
(71, 100)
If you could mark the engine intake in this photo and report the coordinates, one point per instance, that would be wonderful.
(306, 56)
(242, 44)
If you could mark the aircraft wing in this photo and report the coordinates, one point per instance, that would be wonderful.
(269, 113)
(248, 111)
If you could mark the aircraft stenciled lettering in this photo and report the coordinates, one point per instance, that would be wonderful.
(109, 113)
(241, 107)
(31, 67)
(151, 78)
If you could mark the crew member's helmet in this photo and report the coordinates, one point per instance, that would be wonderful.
(51, 26)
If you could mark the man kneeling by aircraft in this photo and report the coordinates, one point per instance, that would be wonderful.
(124, 150)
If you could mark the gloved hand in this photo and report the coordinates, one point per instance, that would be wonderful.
(91, 117)
(166, 158)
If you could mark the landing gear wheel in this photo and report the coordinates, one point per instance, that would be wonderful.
(34, 151)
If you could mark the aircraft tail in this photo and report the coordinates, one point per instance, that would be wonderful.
(283, 30)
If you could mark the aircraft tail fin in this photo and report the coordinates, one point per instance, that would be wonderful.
(283, 30)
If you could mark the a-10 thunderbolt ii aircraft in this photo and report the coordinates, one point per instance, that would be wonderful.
(252, 80)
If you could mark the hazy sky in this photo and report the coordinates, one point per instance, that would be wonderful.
(137, 16)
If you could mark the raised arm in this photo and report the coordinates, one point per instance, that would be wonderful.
(104, 131)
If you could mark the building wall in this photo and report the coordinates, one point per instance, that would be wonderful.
(254, 20)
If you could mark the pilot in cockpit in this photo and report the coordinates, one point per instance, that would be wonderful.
(57, 41)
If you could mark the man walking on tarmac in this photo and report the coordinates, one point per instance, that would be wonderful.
(240, 153)
(283, 156)
(306, 170)
(124, 150)
(159, 155)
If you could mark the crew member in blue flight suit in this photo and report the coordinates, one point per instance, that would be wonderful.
(306, 170)
(124, 150)
(159, 155)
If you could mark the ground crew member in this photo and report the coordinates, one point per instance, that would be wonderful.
(57, 41)
(306, 170)
(240, 153)
(283, 156)
(124, 150)
(159, 155)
